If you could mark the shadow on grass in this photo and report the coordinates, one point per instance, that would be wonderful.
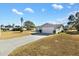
(41, 33)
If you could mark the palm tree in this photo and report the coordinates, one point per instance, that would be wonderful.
(21, 24)
(13, 25)
(21, 20)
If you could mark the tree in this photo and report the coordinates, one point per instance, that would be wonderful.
(74, 21)
(9, 26)
(21, 21)
(2, 26)
(29, 25)
(77, 21)
(21, 29)
(13, 25)
(71, 19)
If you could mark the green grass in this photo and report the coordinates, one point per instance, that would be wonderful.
(57, 45)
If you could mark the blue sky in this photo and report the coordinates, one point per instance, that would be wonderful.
(39, 13)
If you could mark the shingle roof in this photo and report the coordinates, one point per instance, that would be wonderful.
(51, 25)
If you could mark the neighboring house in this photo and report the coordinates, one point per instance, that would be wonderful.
(50, 28)
(24, 28)
(12, 28)
(4, 28)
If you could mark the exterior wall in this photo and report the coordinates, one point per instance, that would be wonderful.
(47, 30)
(24, 29)
(59, 30)
(10, 29)
(37, 29)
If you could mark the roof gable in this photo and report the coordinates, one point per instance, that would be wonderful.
(51, 25)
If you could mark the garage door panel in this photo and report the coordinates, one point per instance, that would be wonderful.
(47, 30)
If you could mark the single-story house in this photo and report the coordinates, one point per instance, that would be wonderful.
(50, 28)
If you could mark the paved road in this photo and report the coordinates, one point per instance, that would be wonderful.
(7, 46)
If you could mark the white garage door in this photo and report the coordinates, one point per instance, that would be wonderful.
(47, 30)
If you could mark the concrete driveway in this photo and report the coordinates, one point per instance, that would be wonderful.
(7, 46)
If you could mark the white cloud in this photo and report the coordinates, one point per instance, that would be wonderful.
(29, 10)
(73, 12)
(71, 3)
(43, 10)
(17, 12)
(57, 6)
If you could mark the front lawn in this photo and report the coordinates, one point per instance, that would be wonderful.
(57, 45)
(13, 34)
